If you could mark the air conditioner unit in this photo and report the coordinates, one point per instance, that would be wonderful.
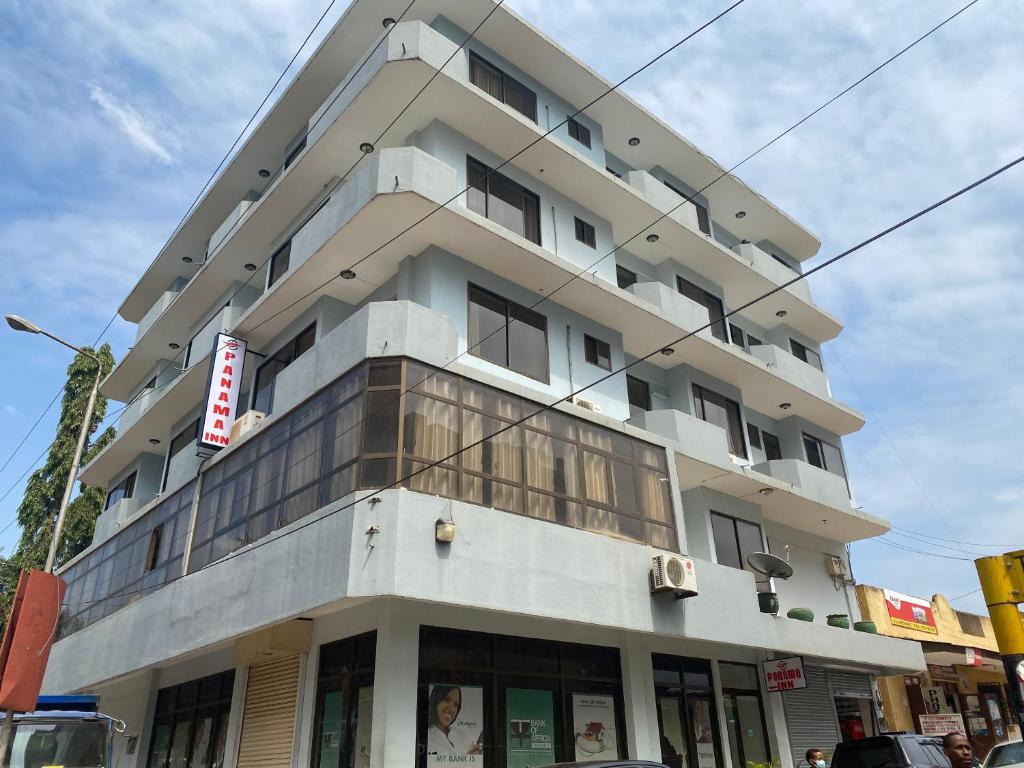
(589, 405)
(672, 573)
(247, 422)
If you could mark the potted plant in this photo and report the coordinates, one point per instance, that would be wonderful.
(840, 620)
(800, 614)
(768, 602)
(866, 626)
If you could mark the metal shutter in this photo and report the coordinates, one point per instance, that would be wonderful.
(268, 722)
(855, 684)
(811, 716)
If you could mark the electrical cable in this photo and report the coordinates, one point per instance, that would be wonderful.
(883, 540)
(657, 350)
(967, 543)
(965, 594)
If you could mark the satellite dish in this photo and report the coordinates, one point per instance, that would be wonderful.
(770, 565)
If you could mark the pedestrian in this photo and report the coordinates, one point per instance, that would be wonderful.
(958, 750)
(815, 758)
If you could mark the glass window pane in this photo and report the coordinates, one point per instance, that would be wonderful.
(738, 676)
(811, 445)
(178, 757)
(487, 320)
(605, 440)
(750, 541)
(431, 428)
(304, 457)
(491, 493)
(385, 373)
(623, 487)
(298, 506)
(431, 381)
(595, 478)
(505, 203)
(772, 447)
(554, 422)
(343, 435)
(380, 433)
(612, 524)
(556, 510)
(655, 502)
(726, 547)
(833, 459)
(660, 536)
(551, 464)
(438, 481)
(528, 342)
(158, 748)
(377, 473)
(500, 456)
(476, 186)
(491, 401)
(484, 76)
(338, 484)
(520, 98)
(269, 478)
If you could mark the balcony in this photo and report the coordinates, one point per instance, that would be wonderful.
(768, 375)
(162, 303)
(799, 495)
(224, 230)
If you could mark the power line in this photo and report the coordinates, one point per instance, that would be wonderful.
(968, 543)
(965, 594)
(657, 350)
(883, 540)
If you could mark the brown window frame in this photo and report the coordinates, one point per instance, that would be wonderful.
(597, 352)
(579, 132)
(506, 83)
(735, 431)
(710, 302)
(514, 312)
(480, 178)
(585, 232)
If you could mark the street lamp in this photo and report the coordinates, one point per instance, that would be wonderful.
(21, 324)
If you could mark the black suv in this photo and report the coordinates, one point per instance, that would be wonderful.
(891, 750)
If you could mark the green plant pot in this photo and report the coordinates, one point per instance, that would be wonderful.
(840, 620)
(768, 602)
(866, 626)
(801, 614)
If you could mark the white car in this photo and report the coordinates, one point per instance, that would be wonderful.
(1009, 754)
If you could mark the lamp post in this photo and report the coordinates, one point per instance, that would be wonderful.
(21, 324)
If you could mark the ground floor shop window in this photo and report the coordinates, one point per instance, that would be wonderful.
(190, 726)
(344, 703)
(687, 718)
(744, 714)
(496, 701)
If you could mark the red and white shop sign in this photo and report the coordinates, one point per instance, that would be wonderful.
(910, 612)
(974, 657)
(784, 674)
(222, 391)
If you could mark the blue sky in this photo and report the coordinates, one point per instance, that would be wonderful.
(114, 112)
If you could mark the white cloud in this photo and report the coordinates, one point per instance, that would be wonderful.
(139, 130)
(11, 410)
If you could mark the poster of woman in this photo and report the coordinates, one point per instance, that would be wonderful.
(455, 725)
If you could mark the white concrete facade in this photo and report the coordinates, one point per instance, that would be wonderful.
(365, 559)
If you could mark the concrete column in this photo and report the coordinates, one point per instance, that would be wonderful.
(234, 734)
(778, 732)
(638, 700)
(396, 672)
(133, 701)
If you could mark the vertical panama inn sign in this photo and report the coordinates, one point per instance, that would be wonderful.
(222, 390)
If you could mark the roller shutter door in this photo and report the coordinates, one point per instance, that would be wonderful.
(850, 684)
(268, 722)
(811, 716)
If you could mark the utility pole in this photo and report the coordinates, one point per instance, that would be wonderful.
(1002, 582)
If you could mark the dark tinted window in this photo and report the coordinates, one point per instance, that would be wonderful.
(266, 374)
(716, 409)
(1006, 754)
(502, 200)
(824, 455)
(501, 86)
(709, 301)
(624, 277)
(597, 352)
(279, 263)
(585, 233)
(296, 150)
(703, 219)
(579, 132)
(639, 392)
(806, 354)
(772, 447)
(736, 334)
(123, 490)
(754, 435)
(867, 753)
(735, 541)
(508, 334)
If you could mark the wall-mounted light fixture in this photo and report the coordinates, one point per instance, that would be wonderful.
(444, 531)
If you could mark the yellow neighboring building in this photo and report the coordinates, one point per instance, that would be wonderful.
(965, 674)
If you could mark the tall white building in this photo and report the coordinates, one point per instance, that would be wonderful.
(278, 603)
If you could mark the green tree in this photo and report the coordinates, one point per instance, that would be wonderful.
(37, 512)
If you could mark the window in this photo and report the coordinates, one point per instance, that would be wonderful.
(687, 711)
(824, 455)
(783, 262)
(508, 334)
(500, 682)
(112, 576)
(266, 374)
(179, 442)
(279, 263)
(613, 172)
(123, 490)
(639, 393)
(806, 354)
(736, 335)
(754, 435)
(716, 409)
(190, 726)
(709, 301)
(624, 277)
(344, 701)
(151, 384)
(735, 541)
(153, 553)
(753, 341)
(772, 447)
(585, 233)
(504, 88)
(290, 158)
(502, 200)
(744, 714)
(579, 132)
(703, 218)
(597, 352)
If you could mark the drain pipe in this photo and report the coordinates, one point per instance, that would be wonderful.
(568, 353)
